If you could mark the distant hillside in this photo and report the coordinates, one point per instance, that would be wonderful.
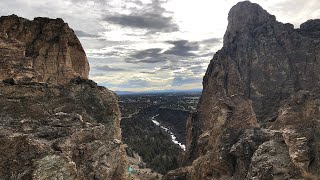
(158, 92)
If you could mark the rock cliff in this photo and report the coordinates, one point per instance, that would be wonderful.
(42, 50)
(258, 117)
(54, 125)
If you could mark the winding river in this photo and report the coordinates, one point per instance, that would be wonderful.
(173, 137)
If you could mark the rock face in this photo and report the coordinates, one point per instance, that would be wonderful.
(258, 117)
(42, 50)
(65, 128)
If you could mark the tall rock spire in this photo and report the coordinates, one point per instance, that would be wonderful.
(258, 115)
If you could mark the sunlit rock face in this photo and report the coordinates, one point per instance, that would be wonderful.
(258, 117)
(54, 122)
(42, 50)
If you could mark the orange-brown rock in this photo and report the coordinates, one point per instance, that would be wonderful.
(258, 116)
(42, 50)
(54, 122)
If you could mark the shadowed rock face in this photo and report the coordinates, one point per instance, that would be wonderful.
(258, 116)
(54, 123)
(42, 50)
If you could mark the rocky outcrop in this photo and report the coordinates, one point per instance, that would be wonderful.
(42, 50)
(60, 132)
(54, 125)
(258, 116)
(54, 132)
(180, 174)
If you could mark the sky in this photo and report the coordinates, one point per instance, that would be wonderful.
(143, 45)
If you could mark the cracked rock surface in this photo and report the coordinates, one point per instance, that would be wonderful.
(60, 132)
(258, 117)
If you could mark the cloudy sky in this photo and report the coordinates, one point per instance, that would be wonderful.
(138, 45)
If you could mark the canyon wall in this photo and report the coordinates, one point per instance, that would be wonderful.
(54, 122)
(259, 115)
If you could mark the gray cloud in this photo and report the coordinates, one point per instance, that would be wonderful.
(170, 67)
(212, 41)
(149, 21)
(197, 69)
(179, 80)
(154, 52)
(107, 84)
(147, 72)
(149, 17)
(182, 48)
(146, 60)
(152, 55)
(81, 34)
(82, 1)
(134, 83)
(108, 68)
(107, 54)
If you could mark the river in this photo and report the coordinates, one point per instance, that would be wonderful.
(173, 137)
